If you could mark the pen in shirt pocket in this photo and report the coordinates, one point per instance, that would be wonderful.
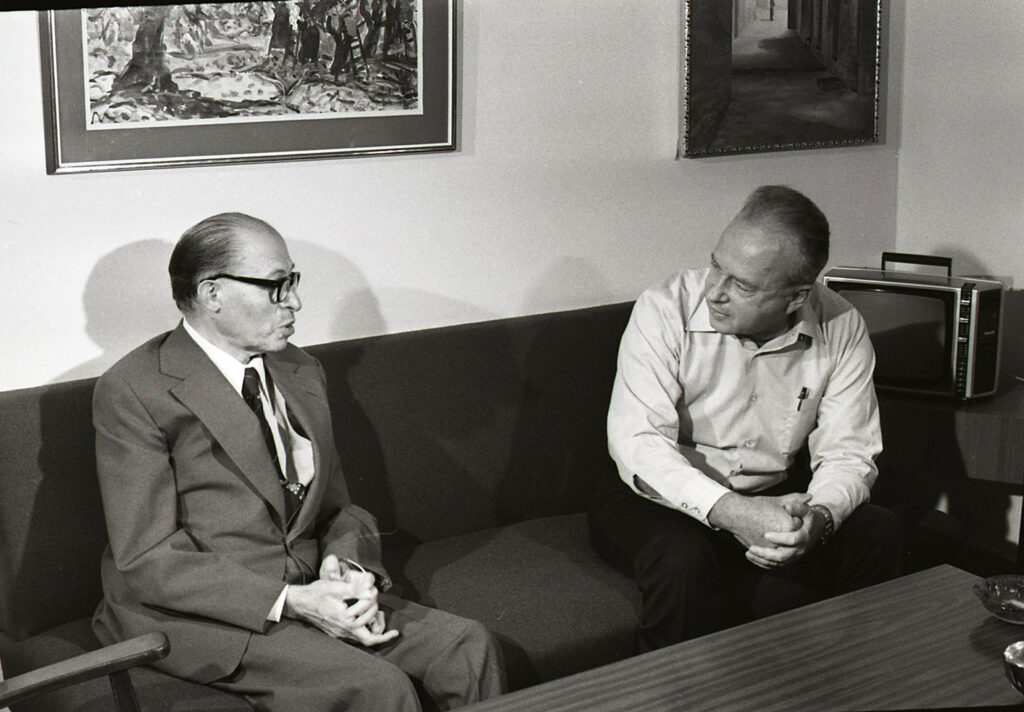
(802, 397)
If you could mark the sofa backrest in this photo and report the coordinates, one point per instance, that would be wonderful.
(51, 519)
(441, 432)
(460, 428)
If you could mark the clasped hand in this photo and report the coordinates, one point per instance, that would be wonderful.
(775, 530)
(342, 605)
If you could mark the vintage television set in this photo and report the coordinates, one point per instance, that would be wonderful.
(933, 334)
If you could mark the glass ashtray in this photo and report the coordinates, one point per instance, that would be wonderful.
(1003, 597)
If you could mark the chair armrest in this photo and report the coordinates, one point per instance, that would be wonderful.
(105, 661)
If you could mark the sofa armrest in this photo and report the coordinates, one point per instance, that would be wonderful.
(110, 660)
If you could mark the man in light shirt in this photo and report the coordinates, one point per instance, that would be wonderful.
(727, 378)
(231, 528)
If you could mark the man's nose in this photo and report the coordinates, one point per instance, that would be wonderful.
(292, 301)
(716, 290)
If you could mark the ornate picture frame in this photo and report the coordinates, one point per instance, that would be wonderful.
(216, 83)
(771, 75)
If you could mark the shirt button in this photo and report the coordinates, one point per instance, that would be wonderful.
(753, 398)
(750, 443)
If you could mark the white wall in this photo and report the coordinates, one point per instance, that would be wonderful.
(564, 193)
(961, 181)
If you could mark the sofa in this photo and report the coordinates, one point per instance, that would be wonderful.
(476, 446)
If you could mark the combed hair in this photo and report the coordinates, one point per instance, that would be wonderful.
(782, 210)
(207, 248)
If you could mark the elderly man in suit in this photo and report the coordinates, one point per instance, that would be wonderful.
(231, 527)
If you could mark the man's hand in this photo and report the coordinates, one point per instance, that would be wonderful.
(750, 518)
(342, 605)
(786, 547)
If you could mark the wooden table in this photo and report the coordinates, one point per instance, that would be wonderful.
(919, 642)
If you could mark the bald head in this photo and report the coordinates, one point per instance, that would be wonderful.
(788, 214)
(209, 247)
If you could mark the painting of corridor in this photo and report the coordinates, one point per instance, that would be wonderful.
(762, 75)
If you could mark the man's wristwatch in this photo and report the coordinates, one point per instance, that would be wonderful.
(826, 516)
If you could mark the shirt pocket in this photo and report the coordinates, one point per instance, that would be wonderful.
(799, 419)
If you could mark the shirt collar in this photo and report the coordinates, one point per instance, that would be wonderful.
(699, 318)
(808, 325)
(232, 368)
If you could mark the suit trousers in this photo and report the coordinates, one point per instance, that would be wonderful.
(439, 661)
(695, 580)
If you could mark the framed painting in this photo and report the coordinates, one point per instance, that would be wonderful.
(769, 75)
(210, 83)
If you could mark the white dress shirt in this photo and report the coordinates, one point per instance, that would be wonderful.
(695, 414)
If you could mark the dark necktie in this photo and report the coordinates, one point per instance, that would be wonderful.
(294, 491)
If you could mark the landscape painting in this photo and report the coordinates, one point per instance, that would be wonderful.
(764, 75)
(167, 85)
(247, 60)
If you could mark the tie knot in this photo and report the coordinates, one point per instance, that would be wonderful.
(251, 385)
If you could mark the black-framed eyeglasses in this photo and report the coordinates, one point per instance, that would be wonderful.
(280, 289)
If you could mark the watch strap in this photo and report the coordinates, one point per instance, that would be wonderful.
(826, 516)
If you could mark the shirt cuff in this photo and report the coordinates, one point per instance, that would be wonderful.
(841, 501)
(695, 497)
(275, 612)
(702, 499)
(709, 503)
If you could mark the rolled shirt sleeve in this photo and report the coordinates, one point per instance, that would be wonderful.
(847, 438)
(643, 423)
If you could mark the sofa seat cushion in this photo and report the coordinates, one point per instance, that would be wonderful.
(554, 605)
(156, 691)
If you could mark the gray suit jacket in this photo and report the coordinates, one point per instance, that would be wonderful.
(195, 512)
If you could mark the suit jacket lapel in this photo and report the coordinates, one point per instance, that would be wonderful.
(205, 391)
(305, 400)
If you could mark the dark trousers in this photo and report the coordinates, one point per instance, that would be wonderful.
(695, 580)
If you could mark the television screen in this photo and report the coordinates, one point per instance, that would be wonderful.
(908, 331)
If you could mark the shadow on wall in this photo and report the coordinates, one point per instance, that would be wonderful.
(361, 311)
(127, 300)
(570, 282)
(337, 303)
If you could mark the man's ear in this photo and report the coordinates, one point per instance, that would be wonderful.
(208, 295)
(800, 294)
